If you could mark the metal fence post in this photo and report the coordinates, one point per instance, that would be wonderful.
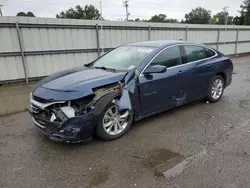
(218, 39)
(149, 32)
(20, 40)
(186, 35)
(236, 42)
(98, 40)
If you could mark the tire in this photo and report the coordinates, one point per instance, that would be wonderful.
(103, 133)
(215, 91)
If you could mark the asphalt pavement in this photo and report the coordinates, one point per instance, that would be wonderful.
(198, 145)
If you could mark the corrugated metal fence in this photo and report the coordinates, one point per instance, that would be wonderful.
(37, 47)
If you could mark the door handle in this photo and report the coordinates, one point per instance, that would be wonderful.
(179, 73)
(209, 65)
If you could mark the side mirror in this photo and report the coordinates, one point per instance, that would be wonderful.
(155, 69)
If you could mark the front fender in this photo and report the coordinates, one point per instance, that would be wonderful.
(104, 101)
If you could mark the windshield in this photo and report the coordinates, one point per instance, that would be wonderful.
(124, 58)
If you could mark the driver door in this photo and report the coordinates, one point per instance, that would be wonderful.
(160, 91)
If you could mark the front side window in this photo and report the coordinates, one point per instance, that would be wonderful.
(195, 53)
(124, 58)
(170, 57)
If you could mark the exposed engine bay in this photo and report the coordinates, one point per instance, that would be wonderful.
(61, 111)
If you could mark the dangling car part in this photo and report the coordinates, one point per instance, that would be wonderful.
(129, 83)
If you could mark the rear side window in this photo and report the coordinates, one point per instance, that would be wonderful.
(195, 53)
(170, 57)
(209, 52)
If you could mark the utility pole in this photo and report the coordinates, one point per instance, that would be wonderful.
(225, 14)
(1, 13)
(126, 6)
(100, 10)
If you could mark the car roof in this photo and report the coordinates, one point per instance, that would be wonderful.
(159, 43)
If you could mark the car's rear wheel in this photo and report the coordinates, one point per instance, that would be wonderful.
(216, 89)
(113, 124)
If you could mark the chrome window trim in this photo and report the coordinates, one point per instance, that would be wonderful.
(184, 63)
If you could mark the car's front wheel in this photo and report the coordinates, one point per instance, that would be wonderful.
(216, 89)
(113, 124)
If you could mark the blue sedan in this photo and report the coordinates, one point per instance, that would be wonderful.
(129, 83)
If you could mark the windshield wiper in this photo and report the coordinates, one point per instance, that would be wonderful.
(87, 65)
(105, 68)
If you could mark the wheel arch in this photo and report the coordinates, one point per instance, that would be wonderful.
(103, 104)
(104, 101)
(223, 75)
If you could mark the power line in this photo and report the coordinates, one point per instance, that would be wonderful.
(150, 3)
(146, 4)
(142, 3)
(133, 5)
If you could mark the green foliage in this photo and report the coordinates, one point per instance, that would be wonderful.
(162, 18)
(138, 20)
(238, 20)
(244, 13)
(171, 20)
(28, 14)
(89, 12)
(198, 15)
(158, 18)
(221, 16)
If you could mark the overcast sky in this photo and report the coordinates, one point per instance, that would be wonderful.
(114, 9)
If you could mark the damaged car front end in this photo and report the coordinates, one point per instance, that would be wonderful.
(62, 120)
(74, 120)
(73, 105)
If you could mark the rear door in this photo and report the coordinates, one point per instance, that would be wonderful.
(201, 63)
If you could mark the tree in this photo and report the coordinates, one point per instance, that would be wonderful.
(198, 15)
(162, 18)
(21, 14)
(245, 12)
(219, 18)
(158, 18)
(91, 13)
(28, 14)
(240, 20)
(171, 20)
(236, 20)
(88, 12)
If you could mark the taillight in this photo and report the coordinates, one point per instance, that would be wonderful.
(231, 61)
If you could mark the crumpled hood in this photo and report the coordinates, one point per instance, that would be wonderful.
(75, 83)
(84, 78)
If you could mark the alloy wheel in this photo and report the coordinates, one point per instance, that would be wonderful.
(114, 122)
(217, 89)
